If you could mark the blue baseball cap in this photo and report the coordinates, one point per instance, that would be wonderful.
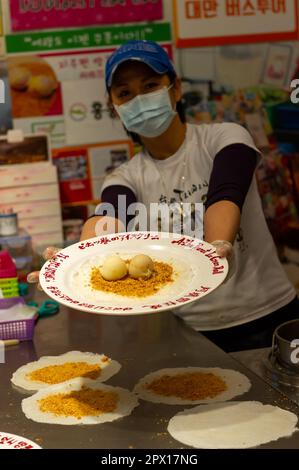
(148, 52)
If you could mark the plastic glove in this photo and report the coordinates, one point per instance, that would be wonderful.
(225, 249)
(49, 253)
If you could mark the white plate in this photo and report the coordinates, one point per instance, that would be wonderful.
(199, 271)
(11, 441)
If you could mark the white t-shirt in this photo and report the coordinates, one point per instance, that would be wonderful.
(259, 285)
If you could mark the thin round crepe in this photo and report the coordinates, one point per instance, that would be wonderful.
(232, 425)
(107, 365)
(236, 383)
(31, 407)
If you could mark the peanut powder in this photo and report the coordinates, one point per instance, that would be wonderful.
(60, 373)
(193, 386)
(85, 402)
(130, 287)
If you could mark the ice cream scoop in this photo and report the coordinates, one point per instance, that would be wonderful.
(114, 268)
(141, 267)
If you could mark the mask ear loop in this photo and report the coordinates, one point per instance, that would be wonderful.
(168, 88)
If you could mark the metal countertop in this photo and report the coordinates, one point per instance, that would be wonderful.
(141, 344)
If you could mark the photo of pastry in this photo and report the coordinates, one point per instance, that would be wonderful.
(34, 88)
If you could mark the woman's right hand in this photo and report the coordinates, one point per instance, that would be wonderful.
(49, 253)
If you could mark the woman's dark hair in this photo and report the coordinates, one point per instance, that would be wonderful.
(179, 108)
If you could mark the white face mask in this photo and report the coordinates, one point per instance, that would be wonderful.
(148, 115)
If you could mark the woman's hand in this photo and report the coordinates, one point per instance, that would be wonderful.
(49, 253)
(225, 249)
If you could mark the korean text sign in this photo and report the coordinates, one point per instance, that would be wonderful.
(216, 22)
(43, 14)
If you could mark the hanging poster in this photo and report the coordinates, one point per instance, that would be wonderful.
(210, 23)
(44, 14)
(36, 97)
(35, 88)
(40, 71)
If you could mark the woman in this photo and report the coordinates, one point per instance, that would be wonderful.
(183, 163)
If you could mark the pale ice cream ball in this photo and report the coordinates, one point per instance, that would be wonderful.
(19, 77)
(42, 85)
(114, 268)
(141, 267)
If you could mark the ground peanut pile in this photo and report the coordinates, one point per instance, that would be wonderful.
(129, 287)
(193, 386)
(60, 373)
(85, 402)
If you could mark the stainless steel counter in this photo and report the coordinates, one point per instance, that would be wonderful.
(141, 344)
(257, 360)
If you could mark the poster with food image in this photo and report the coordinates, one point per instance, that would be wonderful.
(34, 86)
(42, 64)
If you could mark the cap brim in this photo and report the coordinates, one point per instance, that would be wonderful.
(153, 64)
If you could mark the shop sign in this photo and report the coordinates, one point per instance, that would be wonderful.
(218, 22)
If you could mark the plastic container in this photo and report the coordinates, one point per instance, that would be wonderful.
(8, 224)
(17, 245)
(16, 329)
(9, 287)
